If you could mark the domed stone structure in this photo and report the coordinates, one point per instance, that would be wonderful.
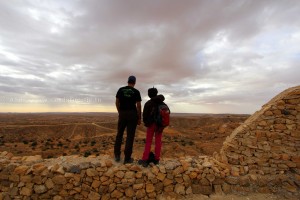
(269, 141)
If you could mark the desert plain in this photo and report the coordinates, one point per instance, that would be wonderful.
(58, 134)
(53, 135)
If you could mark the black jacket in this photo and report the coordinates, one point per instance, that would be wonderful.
(150, 109)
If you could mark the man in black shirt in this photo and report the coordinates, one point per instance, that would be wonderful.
(128, 103)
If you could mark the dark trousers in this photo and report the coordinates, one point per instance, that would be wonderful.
(127, 119)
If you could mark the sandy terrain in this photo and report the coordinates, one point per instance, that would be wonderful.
(84, 134)
(57, 134)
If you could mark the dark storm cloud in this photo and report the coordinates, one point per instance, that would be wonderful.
(193, 51)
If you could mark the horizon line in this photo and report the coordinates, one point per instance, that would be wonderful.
(116, 113)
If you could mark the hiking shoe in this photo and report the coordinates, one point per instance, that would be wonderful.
(144, 163)
(128, 161)
(117, 158)
(156, 162)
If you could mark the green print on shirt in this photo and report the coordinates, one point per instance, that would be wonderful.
(127, 93)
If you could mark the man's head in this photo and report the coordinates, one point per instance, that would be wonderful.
(152, 92)
(131, 80)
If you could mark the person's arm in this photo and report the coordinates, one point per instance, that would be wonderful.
(118, 104)
(139, 111)
(145, 112)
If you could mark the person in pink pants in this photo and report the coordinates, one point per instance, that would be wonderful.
(151, 131)
(149, 112)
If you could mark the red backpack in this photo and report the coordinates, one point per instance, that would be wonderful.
(162, 118)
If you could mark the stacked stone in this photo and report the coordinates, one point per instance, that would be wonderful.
(104, 179)
(269, 141)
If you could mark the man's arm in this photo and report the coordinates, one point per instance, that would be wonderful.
(118, 104)
(145, 112)
(139, 111)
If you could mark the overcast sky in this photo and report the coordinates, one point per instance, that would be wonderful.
(205, 56)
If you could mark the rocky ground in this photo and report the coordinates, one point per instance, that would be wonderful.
(56, 170)
(54, 135)
(92, 134)
(252, 196)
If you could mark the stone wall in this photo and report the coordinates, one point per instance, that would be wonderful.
(268, 143)
(261, 155)
(72, 177)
